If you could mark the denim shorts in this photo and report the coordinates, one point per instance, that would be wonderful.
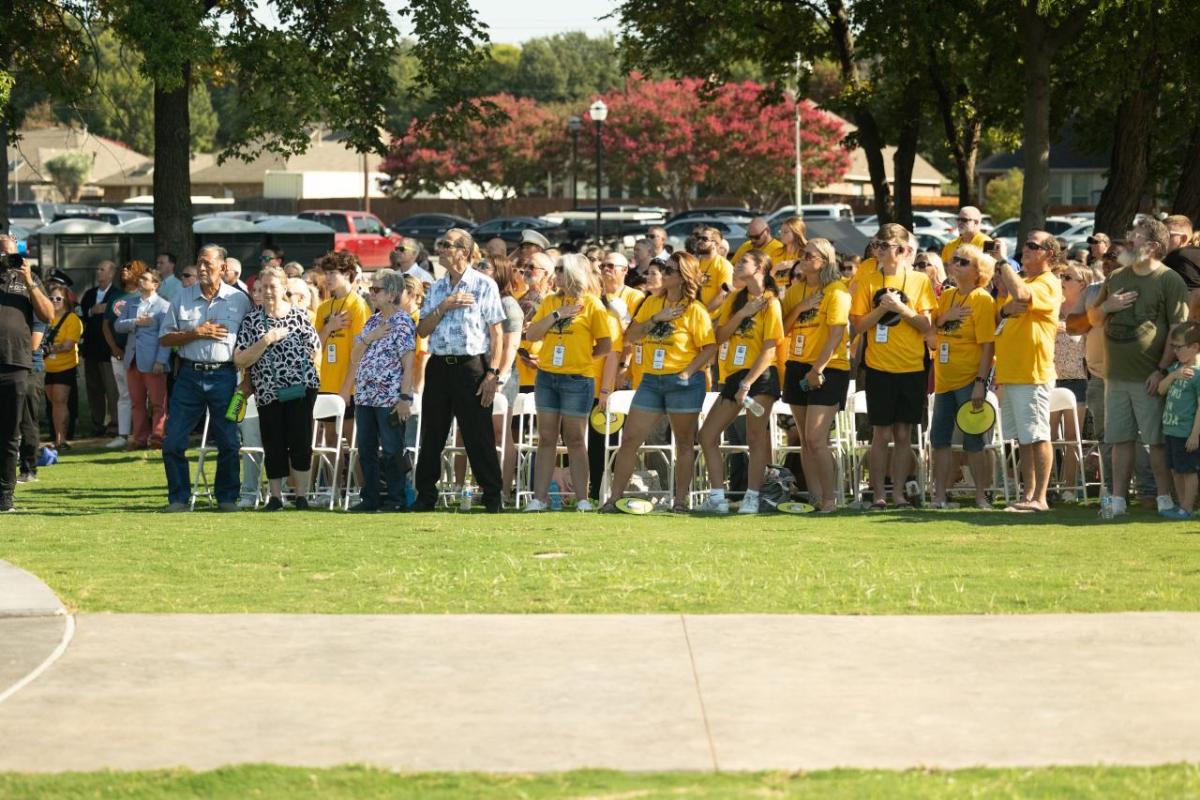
(669, 394)
(565, 394)
(945, 407)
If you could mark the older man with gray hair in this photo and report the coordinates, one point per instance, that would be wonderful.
(203, 323)
(969, 220)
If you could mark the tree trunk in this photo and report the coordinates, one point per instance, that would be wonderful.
(906, 152)
(1036, 123)
(1129, 164)
(964, 143)
(172, 179)
(869, 138)
(1187, 196)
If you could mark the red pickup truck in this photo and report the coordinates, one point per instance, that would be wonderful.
(360, 233)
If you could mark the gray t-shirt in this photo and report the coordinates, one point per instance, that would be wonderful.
(1136, 336)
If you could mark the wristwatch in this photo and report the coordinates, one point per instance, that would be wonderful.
(555, 314)
(981, 380)
(1163, 371)
(408, 398)
(492, 371)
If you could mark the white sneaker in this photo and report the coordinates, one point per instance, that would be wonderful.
(585, 505)
(1067, 496)
(247, 502)
(116, 443)
(749, 506)
(536, 505)
(711, 506)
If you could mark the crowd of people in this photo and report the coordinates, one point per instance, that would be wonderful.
(922, 334)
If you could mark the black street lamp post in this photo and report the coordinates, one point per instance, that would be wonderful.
(598, 113)
(574, 125)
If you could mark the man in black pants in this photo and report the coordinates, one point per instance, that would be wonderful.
(461, 316)
(21, 299)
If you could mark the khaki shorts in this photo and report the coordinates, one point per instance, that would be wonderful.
(1132, 415)
(1025, 411)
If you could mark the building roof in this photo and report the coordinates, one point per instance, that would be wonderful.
(36, 146)
(328, 153)
(924, 173)
(1065, 154)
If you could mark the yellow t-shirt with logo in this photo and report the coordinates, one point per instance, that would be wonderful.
(979, 240)
(335, 355)
(900, 347)
(810, 332)
(715, 271)
(1025, 342)
(668, 347)
(527, 375)
(567, 346)
(71, 331)
(775, 249)
(741, 349)
(960, 342)
(618, 341)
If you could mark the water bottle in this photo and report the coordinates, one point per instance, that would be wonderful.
(556, 502)
(753, 406)
(1106, 509)
(236, 411)
(464, 503)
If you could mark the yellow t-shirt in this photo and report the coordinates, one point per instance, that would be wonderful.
(741, 349)
(668, 347)
(715, 271)
(630, 297)
(527, 375)
(774, 249)
(614, 333)
(894, 348)
(567, 346)
(811, 329)
(979, 240)
(960, 342)
(335, 355)
(1025, 342)
(71, 331)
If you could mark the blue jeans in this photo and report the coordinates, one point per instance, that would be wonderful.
(376, 433)
(563, 393)
(194, 393)
(945, 407)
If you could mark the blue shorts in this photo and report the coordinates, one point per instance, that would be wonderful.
(1181, 460)
(668, 394)
(945, 407)
(565, 394)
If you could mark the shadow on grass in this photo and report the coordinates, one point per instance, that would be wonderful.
(1078, 518)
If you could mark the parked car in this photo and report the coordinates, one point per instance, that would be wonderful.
(31, 215)
(113, 216)
(1009, 229)
(248, 216)
(358, 232)
(931, 242)
(510, 228)
(1076, 234)
(428, 228)
(813, 211)
(731, 212)
(679, 231)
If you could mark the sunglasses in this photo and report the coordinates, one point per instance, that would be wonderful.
(960, 261)
(558, 270)
(703, 239)
(267, 259)
(968, 219)
(608, 265)
(920, 264)
(667, 270)
(446, 244)
(56, 300)
(188, 275)
(1036, 246)
(887, 246)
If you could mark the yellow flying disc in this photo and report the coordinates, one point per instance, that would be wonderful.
(795, 508)
(615, 421)
(974, 422)
(635, 505)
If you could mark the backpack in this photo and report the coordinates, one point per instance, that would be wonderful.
(778, 486)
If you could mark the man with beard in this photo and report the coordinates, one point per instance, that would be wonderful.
(716, 273)
(758, 237)
(1138, 306)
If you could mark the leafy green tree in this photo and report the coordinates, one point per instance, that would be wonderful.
(567, 67)
(1004, 195)
(70, 171)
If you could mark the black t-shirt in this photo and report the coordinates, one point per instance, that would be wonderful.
(1186, 262)
(16, 321)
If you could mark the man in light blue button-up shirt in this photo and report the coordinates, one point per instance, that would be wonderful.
(203, 323)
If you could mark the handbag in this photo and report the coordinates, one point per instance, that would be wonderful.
(289, 393)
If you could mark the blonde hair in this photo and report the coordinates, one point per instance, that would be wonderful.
(893, 233)
(984, 264)
(273, 272)
(576, 277)
(830, 269)
(689, 273)
(799, 231)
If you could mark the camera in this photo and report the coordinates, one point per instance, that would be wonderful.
(11, 261)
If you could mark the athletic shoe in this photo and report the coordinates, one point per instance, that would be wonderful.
(228, 508)
(27, 477)
(176, 508)
(364, 508)
(585, 505)
(1066, 496)
(711, 506)
(247, 503)
(273, 504)
(116, 444)
(749, 506)
(535, 505)
(1174, 513)
(300, 503)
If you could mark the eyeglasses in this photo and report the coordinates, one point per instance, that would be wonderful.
(1067, 278)
(558, 270)
(968, 219)
(375, 289)
(887, 246)
(267, 259)
(446, 244)
(1036, 246)
(920, 264)
(961, 261)
(56, 299)
(668, 270)
(703, 239)
(608, 265)
(188, 275)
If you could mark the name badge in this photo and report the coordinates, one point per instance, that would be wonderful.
(724, 352)
(331, 353)
(1000, 326)
(637, 354)
(944, 353)
(739, 356)
(660, 358)
(798, 345)
(881, 334)
(560, 354)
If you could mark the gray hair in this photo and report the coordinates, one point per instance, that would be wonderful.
(235, 265)
(830, 268)
(576, 276)
(221, 252)
(390, 281)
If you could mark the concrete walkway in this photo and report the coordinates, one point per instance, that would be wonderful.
(534, 693)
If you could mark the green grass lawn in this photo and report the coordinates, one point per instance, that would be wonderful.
(1171, 781)
(90, 530)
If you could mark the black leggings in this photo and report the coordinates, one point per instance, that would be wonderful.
(287, 434)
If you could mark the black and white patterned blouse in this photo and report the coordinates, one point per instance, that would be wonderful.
(287, 362)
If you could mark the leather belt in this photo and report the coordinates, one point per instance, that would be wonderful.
(207, 366)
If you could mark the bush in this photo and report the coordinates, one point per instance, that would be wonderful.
(1004, 195)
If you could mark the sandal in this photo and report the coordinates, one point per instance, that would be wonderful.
(608, 508)
(878, 505)
(680, 509)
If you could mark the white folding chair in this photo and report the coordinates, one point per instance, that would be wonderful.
(201, 487)
(620, 402)
(525, 445)
(257, 455)
(446, 492)
(994, 446)
(839, 447)
(327, 456)
(1063, 400)
(353, 490)
(919, 449)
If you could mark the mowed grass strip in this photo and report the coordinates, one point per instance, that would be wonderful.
(89, 528)
(1171, 781)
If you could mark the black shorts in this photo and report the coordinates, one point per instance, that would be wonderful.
(1179, 458)
(349, 410)
(831, 393)
(64, 378)
(767, 383)
(896, 397)
(1078, 387)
